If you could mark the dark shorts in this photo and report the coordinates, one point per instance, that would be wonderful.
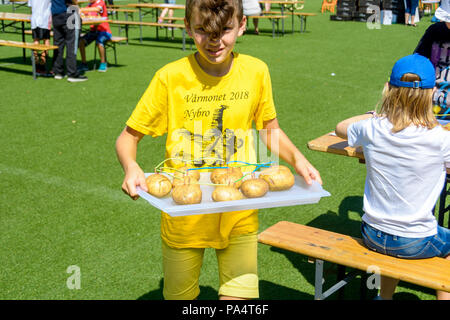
(99, 37)
(40, 34)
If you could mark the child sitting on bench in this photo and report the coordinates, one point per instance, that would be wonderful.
(406, 153)
(100, 34)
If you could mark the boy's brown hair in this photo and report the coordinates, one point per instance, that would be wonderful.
(214, 14)
(406, 106)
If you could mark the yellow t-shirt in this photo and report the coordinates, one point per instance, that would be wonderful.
(207, 119)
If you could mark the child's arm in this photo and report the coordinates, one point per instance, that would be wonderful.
(277, 141)
(126, 149)
(341, 128)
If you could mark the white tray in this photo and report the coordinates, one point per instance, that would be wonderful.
(300, 193)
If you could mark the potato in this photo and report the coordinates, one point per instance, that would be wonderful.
(158, 185)
(278, 177)
(227, 176)
(254, 187)
(191, 173)
(183, 180)
(188, 192)
(226, 193)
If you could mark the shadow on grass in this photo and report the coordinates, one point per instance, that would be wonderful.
(342, 223)
(336, 222)
(16, 60)
(23, 72)
(7, 64)
(272, 291)
(267, 291)
(206, 293)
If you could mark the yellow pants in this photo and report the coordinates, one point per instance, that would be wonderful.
(237, 269)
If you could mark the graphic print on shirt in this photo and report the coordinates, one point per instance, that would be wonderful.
(440, 57)
(213, 148)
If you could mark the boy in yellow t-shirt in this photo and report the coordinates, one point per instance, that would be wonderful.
(209, 101)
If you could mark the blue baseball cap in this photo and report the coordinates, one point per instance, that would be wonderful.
(418, 65)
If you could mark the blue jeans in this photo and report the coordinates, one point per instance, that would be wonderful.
(411, 6)
(407, 248)
(100, 37)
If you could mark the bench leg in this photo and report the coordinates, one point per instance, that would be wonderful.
(273, 28)
(23, 40)
(33, 64)
(184, 39)
(319, 294)
(340, 277)
(95, 57)
(442, 200)
(292, 19)
(318, 282)
(115, 54)
(140, 27)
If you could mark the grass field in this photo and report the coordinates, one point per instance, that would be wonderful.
(61, 203)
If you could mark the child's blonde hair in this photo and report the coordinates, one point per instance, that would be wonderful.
(404, 106)
(214, 14)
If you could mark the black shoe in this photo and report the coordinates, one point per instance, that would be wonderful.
(79, 78)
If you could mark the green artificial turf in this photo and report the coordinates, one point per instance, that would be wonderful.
(61, 202)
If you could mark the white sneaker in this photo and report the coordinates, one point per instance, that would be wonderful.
(59, 76)
(78, 78)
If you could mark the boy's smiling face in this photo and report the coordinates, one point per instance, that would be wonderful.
(214, 52)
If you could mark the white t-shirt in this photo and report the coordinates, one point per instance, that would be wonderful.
(405, 175)
(251, 7)
(40, 13)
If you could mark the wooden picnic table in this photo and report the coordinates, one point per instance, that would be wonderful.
(14, 18)
(26, 17)
(283, 4)
(330, 143)
(154, 8)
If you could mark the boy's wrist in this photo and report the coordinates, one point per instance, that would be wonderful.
(131, 166)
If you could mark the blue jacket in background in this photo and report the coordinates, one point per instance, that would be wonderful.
(60, 6)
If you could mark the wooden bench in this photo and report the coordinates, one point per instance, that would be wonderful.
(302, 16)
(153, 24)
(347, 251)
(27, 45)
(274, 18)
(18, 4)
(173, 18)
(108, 44)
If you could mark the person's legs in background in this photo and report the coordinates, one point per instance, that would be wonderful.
(162, 15)
(71, 55)
(102, 38)
(414, 5)
(255, 24)
(84, 42)
(59, 22)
